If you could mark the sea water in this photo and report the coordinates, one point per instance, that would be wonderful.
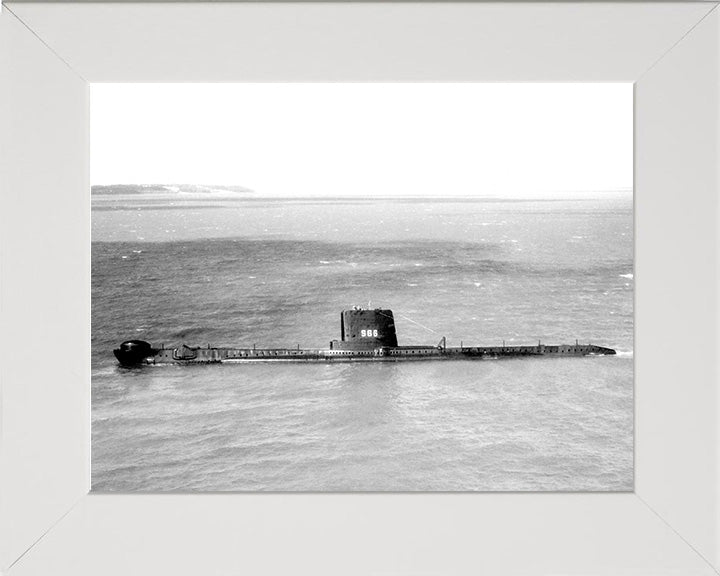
(243, 270)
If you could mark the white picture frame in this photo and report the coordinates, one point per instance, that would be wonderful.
(50, 524)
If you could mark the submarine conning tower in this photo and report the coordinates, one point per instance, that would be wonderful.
(362, 329)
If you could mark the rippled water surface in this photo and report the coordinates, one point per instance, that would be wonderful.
(239, 271)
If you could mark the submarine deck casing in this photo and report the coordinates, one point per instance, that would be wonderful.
(366, 335)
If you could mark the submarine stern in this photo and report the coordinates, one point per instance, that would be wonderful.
(601, 350)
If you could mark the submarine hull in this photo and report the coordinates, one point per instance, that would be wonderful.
(191, 355)
(365, 336)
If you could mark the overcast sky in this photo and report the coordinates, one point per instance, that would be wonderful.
(366, 139)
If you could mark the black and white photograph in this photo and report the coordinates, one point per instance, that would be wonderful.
(362, 287)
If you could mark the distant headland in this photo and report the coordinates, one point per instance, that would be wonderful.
(113, 189)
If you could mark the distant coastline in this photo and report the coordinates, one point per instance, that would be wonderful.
(242, 193)
(133, 189)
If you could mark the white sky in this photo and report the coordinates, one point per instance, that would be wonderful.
(366, 139)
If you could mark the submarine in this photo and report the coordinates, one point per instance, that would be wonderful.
(365, 335)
